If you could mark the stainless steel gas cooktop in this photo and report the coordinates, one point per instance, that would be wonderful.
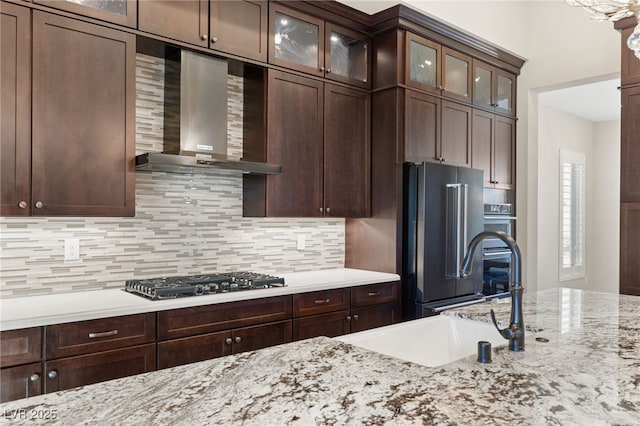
(199, 285)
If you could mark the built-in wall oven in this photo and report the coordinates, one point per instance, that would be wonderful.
(496, 254)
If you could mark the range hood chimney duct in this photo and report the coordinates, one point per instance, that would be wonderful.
(203, 123)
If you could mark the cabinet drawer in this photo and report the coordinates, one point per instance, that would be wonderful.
(20, 382)
(375, 294)
(207, 319)
(83, 337)
(319, 302)
(20, 346)
(83, 370)
(331, 325)
(193, 349)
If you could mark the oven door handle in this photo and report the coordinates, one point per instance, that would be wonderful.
(500, 253)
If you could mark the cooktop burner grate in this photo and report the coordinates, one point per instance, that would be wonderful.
(199, 285)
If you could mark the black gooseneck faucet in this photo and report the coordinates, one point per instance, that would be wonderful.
(515, 332)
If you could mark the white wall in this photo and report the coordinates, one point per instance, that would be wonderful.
(562, 47)
(600, 142)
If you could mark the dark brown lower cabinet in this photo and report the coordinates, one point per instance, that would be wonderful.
(213, 345)
(67, 373)
(20, 382)
(333, 313)
(331, 324)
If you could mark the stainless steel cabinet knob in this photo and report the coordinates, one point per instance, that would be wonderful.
(321, 68)
(214, 39)
(203, 37)
(228, 341)
(328, 210)
(34, 377)
(349, 318)
(22, 204)
(39, 204)
(238, 339)
(320, 209)
(52, 374)
(328, 70)
(355, 317)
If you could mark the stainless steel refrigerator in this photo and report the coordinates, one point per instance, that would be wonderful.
(443, 211)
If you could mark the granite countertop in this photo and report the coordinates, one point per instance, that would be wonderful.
(24, 312)
(588, 373)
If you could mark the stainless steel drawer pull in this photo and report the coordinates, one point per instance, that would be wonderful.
(322, 301)
(103, 334)
(374, 293)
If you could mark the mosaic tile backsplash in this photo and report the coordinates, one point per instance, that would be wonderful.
(184, 224)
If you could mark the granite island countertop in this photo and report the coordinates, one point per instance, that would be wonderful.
(588, 373)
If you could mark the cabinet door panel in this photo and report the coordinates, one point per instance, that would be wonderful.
(505, 92)
(331, 325)
(347, 152)
(422, 64)
(122, 12)
(224, 316)
(375, 294)
(630, 248)
(194, 349)
(630, 70)
(20, 382)
(20, 346)
(15, 119)
(630, 145)
(184, 20)
(456, 75)
(82, 337)
(347, 56)
(422, 127)
(261, 336)
(296, 40)
(240, 28)
(317, 302)
(374, 316)
(482, 143)
(456, 134)
(504, 153)
(67, 373)
(295, 140)
(83, 118)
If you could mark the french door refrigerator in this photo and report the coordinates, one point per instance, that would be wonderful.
(443, 211)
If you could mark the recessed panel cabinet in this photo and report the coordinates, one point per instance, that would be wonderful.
(494, 148)
(319, 133)
(436, 130)
(309, 44)
(78, 158)
(237, 27)
(493, 88)
(20, 362)
(15, 119)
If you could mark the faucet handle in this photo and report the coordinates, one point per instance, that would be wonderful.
(507, 333)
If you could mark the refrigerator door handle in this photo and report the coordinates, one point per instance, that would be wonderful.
(454, 229)
(462, 238)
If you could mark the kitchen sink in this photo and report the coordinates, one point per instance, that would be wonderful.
(431, 341)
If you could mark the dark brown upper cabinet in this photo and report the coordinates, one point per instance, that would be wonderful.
(494, 148)
(494, 89)
(121, 12)
(436, 130)
(15, 119)
(309, 44)
(437, 69)
(236, 27)
(320, 134)
(83, 119)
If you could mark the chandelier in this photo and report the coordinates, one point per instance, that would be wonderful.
(614, 10)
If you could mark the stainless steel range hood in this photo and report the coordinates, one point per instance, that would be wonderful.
(203, 123)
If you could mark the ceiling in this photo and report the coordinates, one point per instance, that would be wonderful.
(596, 102)
(599, 101)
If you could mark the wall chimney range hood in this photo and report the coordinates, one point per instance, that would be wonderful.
(202, 144)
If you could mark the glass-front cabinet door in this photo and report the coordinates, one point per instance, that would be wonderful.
(346, 56)
(422, 66)
(456, 75)
(493, 88)
(296, 40)
(122, 12)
